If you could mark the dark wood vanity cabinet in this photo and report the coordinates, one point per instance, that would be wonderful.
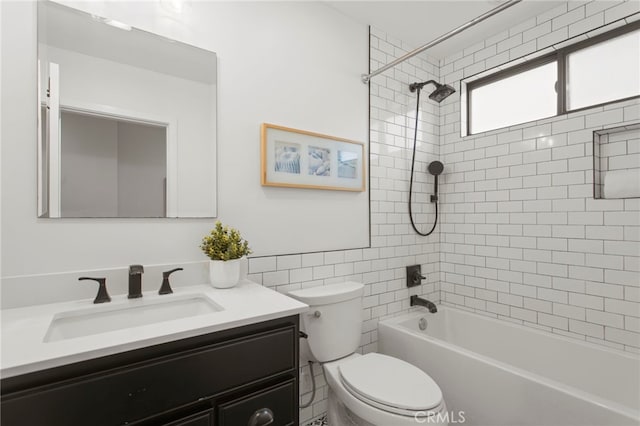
(243, 376)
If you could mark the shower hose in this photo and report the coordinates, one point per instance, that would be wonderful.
(413, 162)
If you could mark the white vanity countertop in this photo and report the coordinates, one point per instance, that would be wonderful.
(25, 350)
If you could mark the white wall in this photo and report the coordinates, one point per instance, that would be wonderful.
(287, 63)
(277, 63)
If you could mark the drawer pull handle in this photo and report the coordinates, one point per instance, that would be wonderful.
(261, 417)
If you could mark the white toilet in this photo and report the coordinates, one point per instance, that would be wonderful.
(364, 390)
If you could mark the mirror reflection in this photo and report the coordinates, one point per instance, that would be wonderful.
(127, 120)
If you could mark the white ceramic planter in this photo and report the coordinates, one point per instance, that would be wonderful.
(225, 273)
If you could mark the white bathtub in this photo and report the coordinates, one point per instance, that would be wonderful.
(500, 373)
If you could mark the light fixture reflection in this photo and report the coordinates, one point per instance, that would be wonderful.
(117, 24)
(173, 6)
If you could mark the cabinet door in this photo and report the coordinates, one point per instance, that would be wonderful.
(269, 407)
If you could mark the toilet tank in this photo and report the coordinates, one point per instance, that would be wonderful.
(334, 320)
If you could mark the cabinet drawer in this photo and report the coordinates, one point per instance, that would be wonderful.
(137, 391)
(202, 418)
(277, 402)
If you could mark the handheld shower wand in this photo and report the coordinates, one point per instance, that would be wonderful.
(435, 168)
(441, 92)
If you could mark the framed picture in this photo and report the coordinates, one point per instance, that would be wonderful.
(300, 159)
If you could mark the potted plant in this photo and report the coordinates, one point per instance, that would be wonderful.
(226, 248)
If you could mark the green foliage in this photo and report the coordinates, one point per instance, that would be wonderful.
(224, 243)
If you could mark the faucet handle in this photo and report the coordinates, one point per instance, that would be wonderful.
(102, 295)
(417, 278)
(165, 288)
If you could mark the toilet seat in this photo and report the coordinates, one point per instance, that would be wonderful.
(390, 384)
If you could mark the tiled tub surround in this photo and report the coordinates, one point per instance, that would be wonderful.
(522, 238)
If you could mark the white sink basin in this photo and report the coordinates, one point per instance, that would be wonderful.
(127, 314)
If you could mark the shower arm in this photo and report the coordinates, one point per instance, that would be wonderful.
(498, 9)
(418, 86)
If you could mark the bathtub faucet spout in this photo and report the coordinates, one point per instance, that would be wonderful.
(415, 300)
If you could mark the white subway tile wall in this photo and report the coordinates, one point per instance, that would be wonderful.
(522, 238)
(620, 150)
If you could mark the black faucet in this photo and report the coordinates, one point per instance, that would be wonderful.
(102, 295)
(165, 288)
(415, 300)
(135, 281)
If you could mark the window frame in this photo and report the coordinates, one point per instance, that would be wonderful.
(560, 57)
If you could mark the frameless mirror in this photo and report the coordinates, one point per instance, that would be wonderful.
(126, 123)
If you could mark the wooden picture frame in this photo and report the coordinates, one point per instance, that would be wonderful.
(294, 158)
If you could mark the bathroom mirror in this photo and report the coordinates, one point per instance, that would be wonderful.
(126, 120)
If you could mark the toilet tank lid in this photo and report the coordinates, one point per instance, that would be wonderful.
(326, 294)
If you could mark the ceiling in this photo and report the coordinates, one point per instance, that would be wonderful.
(419, 22)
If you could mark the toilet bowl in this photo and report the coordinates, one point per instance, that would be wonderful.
(375, 389)
(364, 390)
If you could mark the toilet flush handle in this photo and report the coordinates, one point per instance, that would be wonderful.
(316, 314)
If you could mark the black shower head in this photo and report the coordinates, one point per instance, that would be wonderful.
(435, 168)
(442, 90)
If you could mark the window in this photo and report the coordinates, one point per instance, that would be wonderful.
(604, 72)
(599, 70)
(522, 97)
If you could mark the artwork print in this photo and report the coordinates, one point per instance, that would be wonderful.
(287, 157)
(347, 164)
(292, 158)
(319, 161)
